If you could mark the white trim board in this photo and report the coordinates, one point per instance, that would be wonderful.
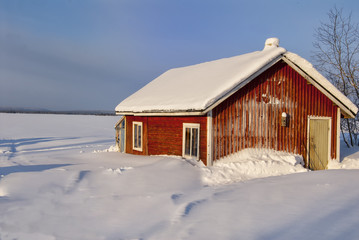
(209, 139)
(338, 134)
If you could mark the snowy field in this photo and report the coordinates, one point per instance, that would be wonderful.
(61, 179)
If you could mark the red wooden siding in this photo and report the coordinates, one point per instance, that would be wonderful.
(251, 118)
(163, 135)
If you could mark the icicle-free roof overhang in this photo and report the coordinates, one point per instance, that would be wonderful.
(196, 89)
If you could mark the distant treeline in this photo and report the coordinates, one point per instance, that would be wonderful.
(45, 111)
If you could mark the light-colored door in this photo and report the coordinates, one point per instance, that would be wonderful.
(319, 143)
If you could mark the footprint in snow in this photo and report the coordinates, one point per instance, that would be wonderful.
(191, 205)
(185, 209)
(118, 170)
(176, 197)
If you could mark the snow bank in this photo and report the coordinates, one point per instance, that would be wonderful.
(113, 148)
(347, 163)
(349, 158)
(252, 163)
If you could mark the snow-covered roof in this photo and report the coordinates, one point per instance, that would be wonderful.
(196, 89)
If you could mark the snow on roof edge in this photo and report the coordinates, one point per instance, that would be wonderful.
(309, 69)
(233, 70)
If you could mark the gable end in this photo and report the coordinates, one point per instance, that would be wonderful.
(334, 95)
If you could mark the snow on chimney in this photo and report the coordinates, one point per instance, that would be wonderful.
(271, 42)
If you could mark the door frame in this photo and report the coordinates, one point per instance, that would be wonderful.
(329, 135)
(118, 134)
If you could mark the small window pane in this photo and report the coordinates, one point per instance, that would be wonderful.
(188, 142)
(139, 136)
(194, 142)
(135, 136)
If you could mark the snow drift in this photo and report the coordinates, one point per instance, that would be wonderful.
(60, 179)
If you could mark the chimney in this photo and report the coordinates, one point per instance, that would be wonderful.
(271, 42)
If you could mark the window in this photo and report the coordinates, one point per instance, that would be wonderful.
(137, 136)
(190, 145)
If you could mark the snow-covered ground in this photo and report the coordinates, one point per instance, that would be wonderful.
(60, 180)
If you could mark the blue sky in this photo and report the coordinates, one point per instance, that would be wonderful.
(90, 55)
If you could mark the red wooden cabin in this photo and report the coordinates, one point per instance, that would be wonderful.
(270, 99)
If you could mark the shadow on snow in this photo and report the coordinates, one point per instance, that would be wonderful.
(13, 144)
(29, 168)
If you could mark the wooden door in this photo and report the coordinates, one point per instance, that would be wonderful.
(319, 143)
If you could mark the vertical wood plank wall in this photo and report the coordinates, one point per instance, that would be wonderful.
(163, 135)
(251, 118)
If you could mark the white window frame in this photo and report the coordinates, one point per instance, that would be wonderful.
(133, 136)
(190, 125)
